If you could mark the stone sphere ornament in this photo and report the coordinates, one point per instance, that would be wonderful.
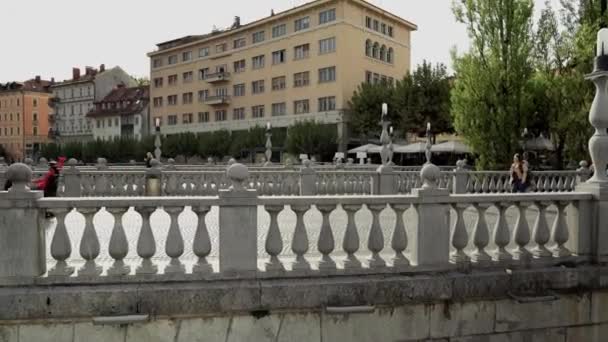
(237, 173)
(430, 175)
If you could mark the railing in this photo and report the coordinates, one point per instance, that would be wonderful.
(540, 181)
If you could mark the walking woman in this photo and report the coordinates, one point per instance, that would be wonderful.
(519, 175)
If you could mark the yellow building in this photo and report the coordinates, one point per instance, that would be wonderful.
(304, 63)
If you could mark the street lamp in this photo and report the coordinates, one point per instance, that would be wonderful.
(385, 139)
(268, 144)
(157, 142)
(429, 143)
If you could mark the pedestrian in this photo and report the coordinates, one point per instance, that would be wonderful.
(148, 159)
(7, 185)
(50, 181)
(519, 177)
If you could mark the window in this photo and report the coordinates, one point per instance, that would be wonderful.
(115, 122)
(302, 24)
(34, 117)
(376, 25)
(258, 37)
(301, 51)
(35, 103)
(188, 77)
(368, 77)
(257, 87)
(279, 30)
(203, 117)
(383, 28)
(376, 50)
(187, 118)
(327, 74)
(219, 48)
(376, 78)
(383, 53)
(257, 112)
(158, 82)
(368, 22)
(390, 31)
(172, 100)
(278, 83)
(327, 103)
(172, 59)
(157, 63)
(109, 123)
(203, 95)
(239, 90)
(221, 92)
(301, 79)
(278, 57)
(186, 56)
(327, 16)
(186, 98)
(220, 69)
(279, 109)
(172, 80)
(202, 73)
(238, 114)
(368, 48)
(172, 120)
(239, 43)
(158, 102)
(390, 56)
(327, 45)
(301, 107)
(257, 62)
(220, 115)
(98, 123)
(239, 66)
(203, 52)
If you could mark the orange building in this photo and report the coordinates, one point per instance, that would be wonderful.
(24, 117)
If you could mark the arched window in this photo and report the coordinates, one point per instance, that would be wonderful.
(390, 56)
(383, 53)
(368, 48)
(376, 50)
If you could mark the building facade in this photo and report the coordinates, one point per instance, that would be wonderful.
(122, 113)
(24, 117)
(74, 98)
(304, 63)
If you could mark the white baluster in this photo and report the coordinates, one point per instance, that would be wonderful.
(146, 244)
(560, 184)
(119, 246)
(299, 243)
(460, 237)
(375, 242)
(326, 243)
(351, 242)
(501, 234)
(521, 235)
(541, 232)
(559, 232)
(492, 185)
(61, 247)
(547, 184)
(484, 185)
(399, 240)
(481, 235)
(201, 245)
(553, 184)
(174, 246)
(89, 245)
(274, 241)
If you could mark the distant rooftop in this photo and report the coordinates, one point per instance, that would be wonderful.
(35, 84)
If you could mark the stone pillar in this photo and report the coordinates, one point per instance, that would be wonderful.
(71, 179)
(238, 219)
(308, 179)
(430, 243)
(384, 181)
(102, 164)
(460, 178)
(154, 179)
(22, 236)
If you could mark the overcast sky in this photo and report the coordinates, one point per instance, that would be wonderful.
(48, 38)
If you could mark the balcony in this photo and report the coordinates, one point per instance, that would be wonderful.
(218, 100)
(218, 77)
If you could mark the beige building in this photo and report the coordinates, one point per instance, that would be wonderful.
(304, 63)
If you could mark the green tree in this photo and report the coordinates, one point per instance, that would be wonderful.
(366, 108)
(488, 98)
(313, 138)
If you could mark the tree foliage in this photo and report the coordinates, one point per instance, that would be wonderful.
(489, 93)
(311, 137)
(366, 108)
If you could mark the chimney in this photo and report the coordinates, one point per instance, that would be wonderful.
(75, 73)
(102, 68)
(237, 23)
(53, 80)
(37, 78)
(88, 71)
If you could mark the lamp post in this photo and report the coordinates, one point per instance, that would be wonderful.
(157, 142)
(391, 151)
(429, 143)
(385, 139)
(268, 152)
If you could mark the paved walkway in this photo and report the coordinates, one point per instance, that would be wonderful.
(287, 219)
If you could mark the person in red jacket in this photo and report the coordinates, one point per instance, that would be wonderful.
(50, 181)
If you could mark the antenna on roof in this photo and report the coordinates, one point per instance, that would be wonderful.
(271, 12)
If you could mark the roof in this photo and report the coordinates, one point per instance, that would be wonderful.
(137, 100)
(36, 85)
(179, 42)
